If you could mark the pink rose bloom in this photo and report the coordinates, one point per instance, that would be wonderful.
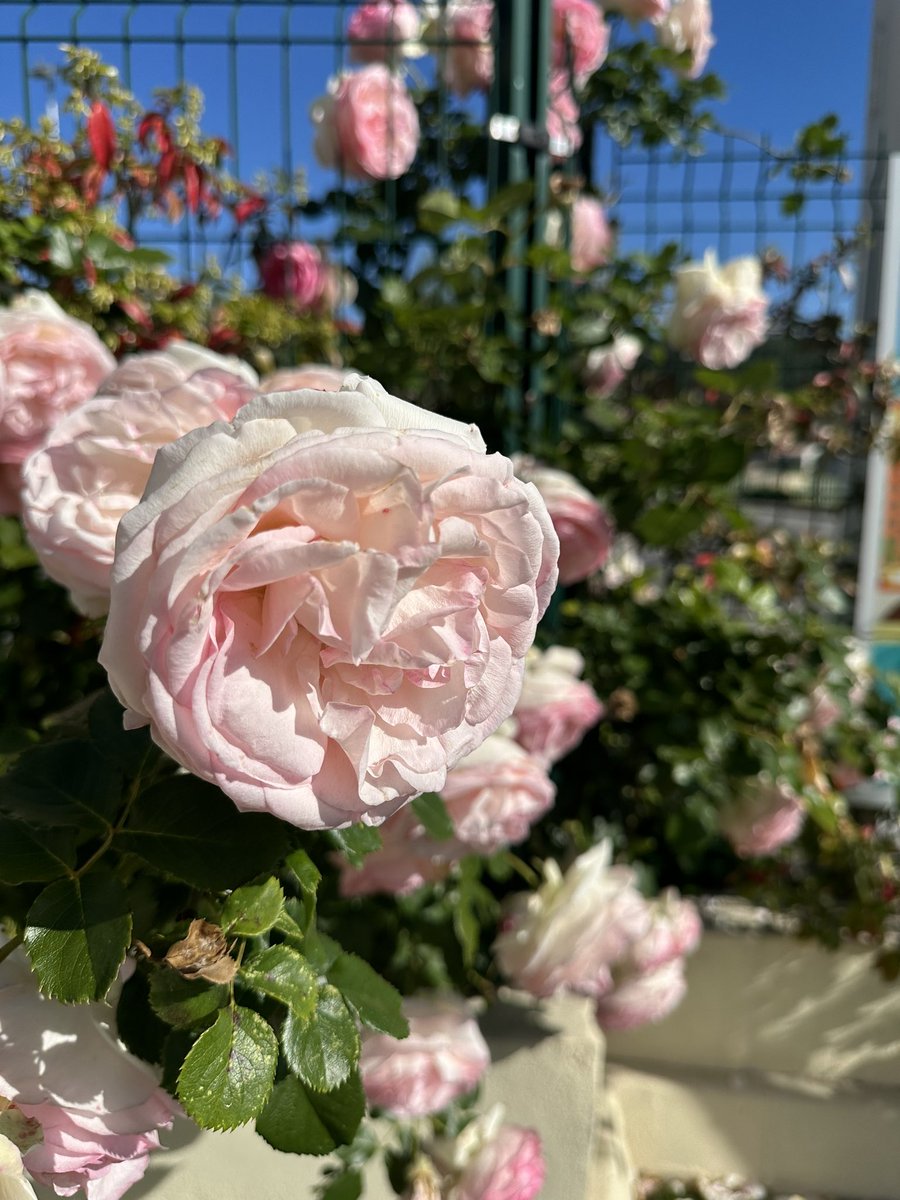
(645, 997)
(325, 605)
(510, 1166)
(567, 934)
(468, 64)
(319, 376)
(49, 363)
(765, 817)
(580, 37)
(687, 26)
(675, 930)
(639, 10)
(407, 860)
(719, 315)
(443, 1058)
(96, 462)
(607, 367)
(584, 530)
(381, 31)
(592, 237)
(556, 706)
(100, 1110)
(366, 125)
(295, 272)
(496, 794)
(563, 116)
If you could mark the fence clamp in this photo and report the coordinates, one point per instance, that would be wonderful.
(505, 128)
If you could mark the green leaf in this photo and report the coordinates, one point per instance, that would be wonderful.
(432, 812)
(321, 950)
(254, 909)
(30, 857)
(76, 935)
(227, 1076)
(185, 1003)
(127, 748)
(65, 249)
(356, 842)
(299, 1121)
(373, 999)
(285, 975)
(347, 1186)
(308, 877)
(322, 1049)
(189, 829)
(63, 783)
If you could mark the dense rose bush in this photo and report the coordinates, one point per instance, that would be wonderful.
(49, 363)
(366, 124)
(567, 933)
(97, 459)
(584, 530)
(767, 815)
(719, 314)
(687, 27)
(495, 795)
(580, 36)
(99, 1109)
(443, 1058)
(325, 605)
(607, 367)
(379, 32)
(407, 859)
(319, 376)
(468, 56)
(296, 272)
(556, 706)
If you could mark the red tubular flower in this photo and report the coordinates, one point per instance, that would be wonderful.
(249, 207)
(153, 125)
(101, 135)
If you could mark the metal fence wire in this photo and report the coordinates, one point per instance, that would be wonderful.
(260, 65)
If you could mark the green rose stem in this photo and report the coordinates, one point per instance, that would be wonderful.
(13, 944)
(111, 831)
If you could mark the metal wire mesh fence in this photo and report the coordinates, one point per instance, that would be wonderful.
(261, 65)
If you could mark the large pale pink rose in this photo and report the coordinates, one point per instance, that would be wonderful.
(639, 10)
(556, 706)
(295, 272)
(644, 997)
(99, 1109)
(719, 314)
(495, 795)
(508, 1166)
(443, 1058)
(97, 459)
(764, 817)
(584, 530)
(366, 125)
(319, 376)
(325, 605)
(382, 31)
(468, 59)
(609, 366)
(687, 26)
(407, 859)
(580, 36)
(49, 364)
(568, 933)
(563, 117)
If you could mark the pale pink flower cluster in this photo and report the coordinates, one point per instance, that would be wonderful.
(720, 312)
(590, 931)
(443, 1058)
(99, 1109)
(580, 37)
(556, 706)
(97, 459)
(687, 27)
(607, 367)
(49, 364)
(301, 275)
(382, 31)
(366, 124)
(326, 604)
(468, 58)
(765, 816)
(584, 530)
